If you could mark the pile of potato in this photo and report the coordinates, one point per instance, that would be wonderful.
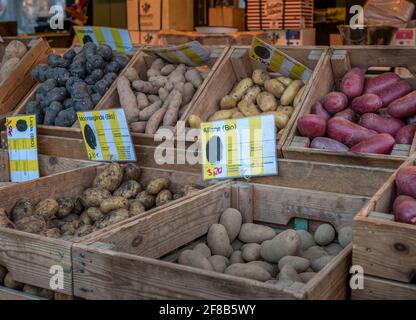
(7, 281)
(286, 259)
(115, 195)
(366, 116)
(14, 51)
(159, 100)
(404, 206)
(260, 94)
(74, 82)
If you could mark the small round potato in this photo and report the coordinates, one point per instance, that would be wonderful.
(157, 185)
(325, 234)
(136, 208)
(251, 252)
(32, 224)
(288, 272)
(307, 276)
(260, 76)
(110, 178)
(298, 263)
(266, 266)
(345, 236)
(194, 259)
(53, 233)
(163, 197)
(188, 189)
(147, 199)
(112, 218)
(85, 219)
(314, 252)
(219, 263)
(318, 264)
(203, 249)
(95, 214)
(333, 249)
(236, 257)
(47, 208)
(306, 238)
(22, 209)
(66, 205)
(288, 110)
(131, 171)
(93, 197)
(84, 230)
(113, 203)
(78, 207)
(128, 189)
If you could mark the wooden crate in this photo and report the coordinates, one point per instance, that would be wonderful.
(29, 257)
(141, 62)
(9, 294)
(16, 87)
(384, 248)
(331, 72)
(237, 65)
(132, 253)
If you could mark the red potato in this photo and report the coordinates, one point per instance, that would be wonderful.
(381, 82)
(319, 110)
(381, 124)
(311, 126)
(324, 143)
(404, 209)
(383, 112)
(335, 102)
(403, 107)
(367, 103)
(406, 134)
(348, 114)
(347, 132)
(394, 92)
(406, 181)
(382, 143)
(352, 83)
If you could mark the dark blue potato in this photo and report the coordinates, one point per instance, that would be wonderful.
(56, 61)
(101, 87)
(61, 75)
(70, 55)
(56, 94)
(89, 49)
(80, 57)
(79, 90)
(70, 82)
(56, 106)
(97, 74)
(66, 118)
(112, 67)
(68, 103)
(33, 107)
(110, 77)
(105, 51)
(96, 97)
(95, 62)
(45, 87)
(78, 69)
(51, 112)
(39, 72)
(90, 80)
(83, 104)
(122, 60)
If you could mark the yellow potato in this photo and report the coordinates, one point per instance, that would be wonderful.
(239, 91)
(298, 96)
(285, 80)
(290, 93)
(286, 110)
(248, 109)
(228, 102)
(222, 115)
(275, 87)
(194, 121)
(266, 101)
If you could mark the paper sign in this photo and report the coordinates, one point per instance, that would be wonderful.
(239, 148)
(22, 147)
(106, 135)
(117, 39)
(191, 54)
(277, 61)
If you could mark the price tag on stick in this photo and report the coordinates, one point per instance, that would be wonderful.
(277, 61)
(239, 148)
(106, 135)
(22, 147)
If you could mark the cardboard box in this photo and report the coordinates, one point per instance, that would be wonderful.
(156, 15)
(404, 37)
(227, 17)
(304, 37)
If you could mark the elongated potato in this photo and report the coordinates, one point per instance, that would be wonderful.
(222, 115)
(228, 102)
(266, 101)
(239, 91)
(352, 84)
(248, 109)
(290, 93)
(275, 87)
(260, 76)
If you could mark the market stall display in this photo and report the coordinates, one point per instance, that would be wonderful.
(350, 118)
(384, 239)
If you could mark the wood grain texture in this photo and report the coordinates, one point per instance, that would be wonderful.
(381, 289)
(331, 72)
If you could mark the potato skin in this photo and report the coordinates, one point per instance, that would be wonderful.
(163, 197)
(136, 208)
(311, 126)
(381, 124)
(93, 213)
(382, 143)
(22, 209)
(255, 233)
(31, 224)
(367, 103)
(329, 144)
(335, 102)
(113, 203)
(93, 197)
(47, 208)
(290, 93)
(66, 206)
(394, 92)
(128, 189)
(320, 111)
(381, 82)
(403, 107)
(111, 218)
(157, 185)
(284, 244)
(194, 259)
(231, 219)
(347, 114)
(218, 241)
(324, 235)
(110, 178)
(404, 209)
(347, 132)
(352, 84)
(406, 134)
(146, 199)
(406, 181)
(131, 171)
(248, 271)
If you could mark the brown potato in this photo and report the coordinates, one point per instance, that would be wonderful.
(131, 171)
(94, 214)
(147, 199)
(157, 185)
(68, 229)
(4, 219)
(22, 209)
(32, 224)
(136, 208)
(84, 230)
(128, 189)
(66, 205)
(85, 219)
(47, 208)
(53, 233)
(113, 203)
(112, 218)
(110, 178)
(78, 207)
(93, 197)
(163, 197)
